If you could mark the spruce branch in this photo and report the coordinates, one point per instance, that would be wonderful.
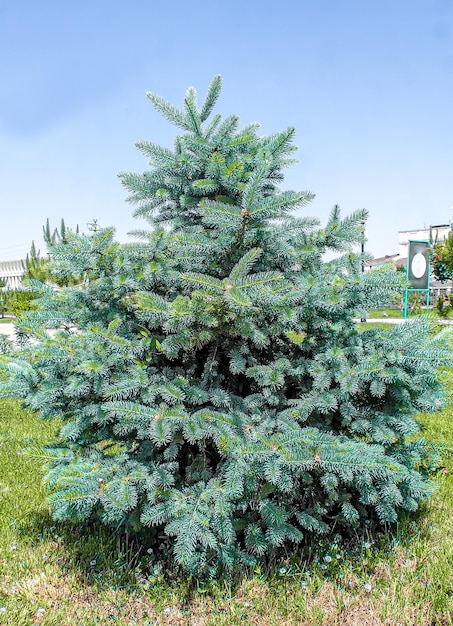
(169, 111)
(212, 96)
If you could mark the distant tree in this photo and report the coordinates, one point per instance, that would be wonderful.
(2, 297)
(19, 301)
(36, 267)
(442, 259)
(56, 236)
(40, 268)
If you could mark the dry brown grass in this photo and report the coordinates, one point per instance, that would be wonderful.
(48, 599)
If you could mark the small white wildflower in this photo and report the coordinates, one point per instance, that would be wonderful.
(368, 587)
(41, 610)
(13, 547)
(2, 609)
(282, 570)
(93, 562)
(327, 558)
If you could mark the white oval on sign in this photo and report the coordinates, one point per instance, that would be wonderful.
(418, 265)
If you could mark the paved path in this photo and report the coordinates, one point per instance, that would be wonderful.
(7, 329)
(399, 320)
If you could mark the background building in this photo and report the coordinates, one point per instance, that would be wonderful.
(433, 234)
(12, 272)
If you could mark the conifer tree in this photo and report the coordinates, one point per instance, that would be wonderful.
(38, 268)
(213, 386)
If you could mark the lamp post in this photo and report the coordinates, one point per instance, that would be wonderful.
(362, 253)
(362, 246)
(93, 226)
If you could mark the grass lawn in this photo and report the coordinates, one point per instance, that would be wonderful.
(397, 313)
(377, 313)
(61, 575)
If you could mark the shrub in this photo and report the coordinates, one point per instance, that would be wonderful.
(17, 302)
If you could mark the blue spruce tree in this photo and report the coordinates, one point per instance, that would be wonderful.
(215, 393)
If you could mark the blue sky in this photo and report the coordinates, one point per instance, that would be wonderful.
(368, 85)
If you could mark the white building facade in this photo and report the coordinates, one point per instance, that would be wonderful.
(12, 272)
(433, 234)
